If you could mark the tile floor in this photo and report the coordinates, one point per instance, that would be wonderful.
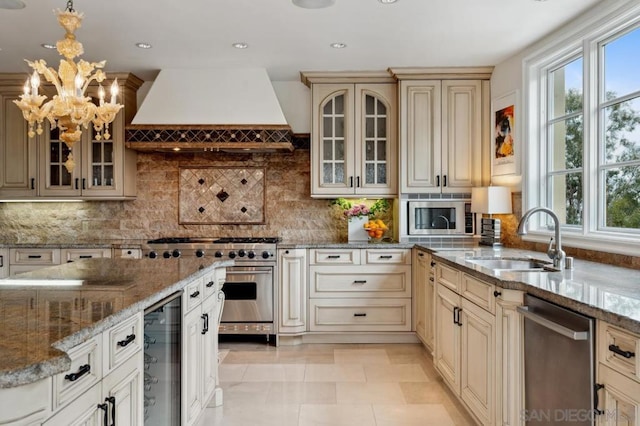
(342, 384)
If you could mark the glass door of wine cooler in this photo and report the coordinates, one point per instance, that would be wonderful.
(162, 348)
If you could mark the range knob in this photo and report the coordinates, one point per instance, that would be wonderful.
(218, 254)
(266, 254)
(166, 255)
(232, 254)
(242, 253)
(153, 254)
(175, 253)
(251, 254)
(199, 253)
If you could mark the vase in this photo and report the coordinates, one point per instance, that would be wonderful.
(357, 233)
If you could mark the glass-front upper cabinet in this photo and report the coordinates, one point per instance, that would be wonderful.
(353, 140)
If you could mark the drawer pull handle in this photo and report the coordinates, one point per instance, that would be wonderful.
(210, 284)
(205, 324)
(386, 257)
(35, 256)
(85, 256)
(360, 282)
(433, 263)
(130, 338)
(359, 315)
(333, 256)
(596, 400)
(72, 377)
(1, 261)
(195, 294)
(616, 349)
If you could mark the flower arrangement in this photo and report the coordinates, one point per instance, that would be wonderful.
(360, 209)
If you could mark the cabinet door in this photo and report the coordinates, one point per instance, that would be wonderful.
(293, 290)
(55, 180)
(420, 148)
(375, 144)
(122, 392)
(191, 366)
(421, 275)
(102, 161)
(477, 363)
(447, 350)
(209, 347)
(4, 263)
(86, 410)
(332, 154)
(461, 135)
(17, 150)
(619, 398)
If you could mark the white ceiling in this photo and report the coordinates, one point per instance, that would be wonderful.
(283, 38)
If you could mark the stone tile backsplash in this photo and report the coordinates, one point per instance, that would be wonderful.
(290, 211)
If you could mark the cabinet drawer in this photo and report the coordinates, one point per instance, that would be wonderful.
(448, 277)
(618, 349)
(214, 281)
(360, 315)
(387, 256)
(122, 341)
(70, 255)
(34, 256)
(369, 281)
(193, 294)
(478, 292)
(130, 253)
(85, 371)
(335, 257)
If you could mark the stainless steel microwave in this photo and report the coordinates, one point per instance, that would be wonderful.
(441, 217)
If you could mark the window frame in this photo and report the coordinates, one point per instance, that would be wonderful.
(586, 40)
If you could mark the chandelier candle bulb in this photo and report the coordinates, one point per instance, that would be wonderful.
(114, 91)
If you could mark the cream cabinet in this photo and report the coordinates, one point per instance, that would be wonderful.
(360, 290)
(4, 262)
(201, 305)
(29, 259)
(34, 167)
(424, 296)
(618, 376)
(440, 135)
(353, 145)
(509, 358)
(292, 271)
(72, 254)
(18, 167)
(465, 340)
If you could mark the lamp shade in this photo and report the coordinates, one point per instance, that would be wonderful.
(491, 199)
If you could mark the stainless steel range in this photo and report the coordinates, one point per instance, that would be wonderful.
(249, 286)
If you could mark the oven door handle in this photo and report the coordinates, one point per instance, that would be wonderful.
(253, 272)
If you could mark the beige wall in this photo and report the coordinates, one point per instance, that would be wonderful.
(290, 211)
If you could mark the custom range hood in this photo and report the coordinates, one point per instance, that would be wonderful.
(218, 109)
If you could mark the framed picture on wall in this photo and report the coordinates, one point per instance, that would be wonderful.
(506, 140)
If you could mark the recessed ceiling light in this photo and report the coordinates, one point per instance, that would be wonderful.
(338, 45)
(387, 1)
(143, 45)
(48, 45)
(240, 45)
(12, 4)
(313, 4)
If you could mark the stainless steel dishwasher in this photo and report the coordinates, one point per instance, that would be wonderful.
(559, 365)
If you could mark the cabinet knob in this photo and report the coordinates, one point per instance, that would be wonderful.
(497, 293)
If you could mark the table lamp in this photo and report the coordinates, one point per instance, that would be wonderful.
(490, 200)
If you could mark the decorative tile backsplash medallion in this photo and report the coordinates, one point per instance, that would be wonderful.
(222, 195)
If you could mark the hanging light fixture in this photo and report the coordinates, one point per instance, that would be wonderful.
(69, 109)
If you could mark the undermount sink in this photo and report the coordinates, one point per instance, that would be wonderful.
(511, 264)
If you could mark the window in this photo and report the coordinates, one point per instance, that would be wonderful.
(583, 136)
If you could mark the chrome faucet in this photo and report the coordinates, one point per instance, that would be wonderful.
(556, 253)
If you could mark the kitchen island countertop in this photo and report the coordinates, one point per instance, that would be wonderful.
(605, 292)
(33, 345)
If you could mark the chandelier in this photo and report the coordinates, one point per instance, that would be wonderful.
(69, 109)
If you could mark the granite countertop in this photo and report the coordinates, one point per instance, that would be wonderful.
(36, 329)
(385, 243)
(606, 292)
